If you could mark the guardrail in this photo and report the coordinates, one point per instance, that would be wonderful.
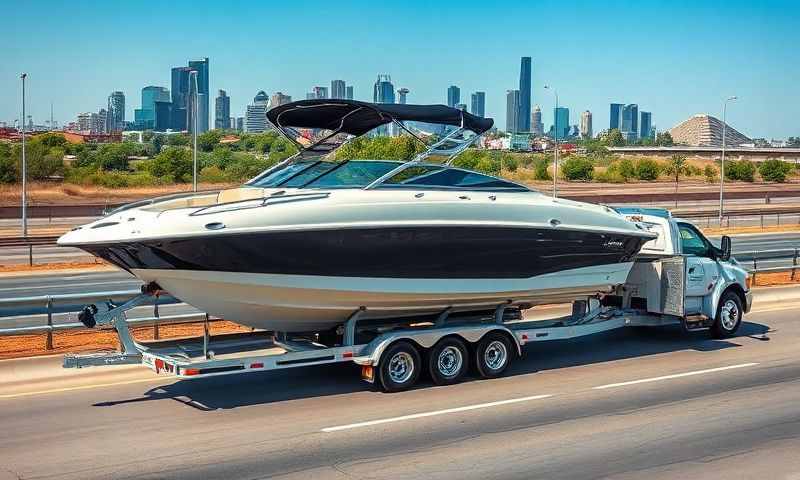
(48, 301)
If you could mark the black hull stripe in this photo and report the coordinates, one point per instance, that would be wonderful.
(397, 252)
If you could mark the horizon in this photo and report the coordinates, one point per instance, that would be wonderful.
(680, 60)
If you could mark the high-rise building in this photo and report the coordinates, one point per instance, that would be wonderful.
(630, 121)
(145, 117)
(349, 92)
(203, 98)
(615, 118)
(338, 89)
(311, 96)
(524, 95)
(401, 95)
(453, 96)
(478, 104)
(278, 99)
(512, 111)
(255, 118)
(240, 123)
(320, 92)
(222, 110)
(586, 124)
(646, 125)
(91, 122)
(116, 112)
(164, 115)
(537, 126)
(180, 98)
(561, 125)
(383, 91)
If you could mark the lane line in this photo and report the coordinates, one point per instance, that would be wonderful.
(434, 413)
(71, 285)
(670, 377)
(80, 387)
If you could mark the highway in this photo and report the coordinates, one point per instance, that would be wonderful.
(626, 404)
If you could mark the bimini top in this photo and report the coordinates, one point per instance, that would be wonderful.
(357, 118)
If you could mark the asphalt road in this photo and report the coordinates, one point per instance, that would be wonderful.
(627, 404)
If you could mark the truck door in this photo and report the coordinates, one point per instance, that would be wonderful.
(702, 271)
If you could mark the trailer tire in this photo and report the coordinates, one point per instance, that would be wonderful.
(399, 367)
(729, 315)
(448, 361)
(493, 355)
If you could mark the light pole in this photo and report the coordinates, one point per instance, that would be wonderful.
(722, 162)
(193, 73)
(24, 166)
(555, 137)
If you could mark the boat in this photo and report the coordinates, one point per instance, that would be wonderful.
(314, 240)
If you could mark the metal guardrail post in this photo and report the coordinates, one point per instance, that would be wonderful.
(779, 219)
(156, 333)
(755, 267)
(762, 220)
(30, 254)
(49, 341)
(794, 263)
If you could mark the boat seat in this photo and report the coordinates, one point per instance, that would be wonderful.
(239, 194)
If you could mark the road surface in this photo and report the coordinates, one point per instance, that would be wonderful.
(628, 404)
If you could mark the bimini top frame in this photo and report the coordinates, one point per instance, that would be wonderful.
(348, 119)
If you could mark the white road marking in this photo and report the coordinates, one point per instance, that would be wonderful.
(81, 387)
(434, 413)
(72, 285)
(677, 375)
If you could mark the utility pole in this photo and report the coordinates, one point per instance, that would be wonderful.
(24, 166)
(194, 134)
(722, 163)
(555, 137)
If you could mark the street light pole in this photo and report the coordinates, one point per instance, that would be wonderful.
(722, 162)
(194, 134)
(24, 166)
(555, 137)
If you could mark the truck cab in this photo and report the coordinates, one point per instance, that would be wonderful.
(682, 273)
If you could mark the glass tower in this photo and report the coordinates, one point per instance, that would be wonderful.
(478, 104)
(453, 96)
(525, 95)
(201, 67)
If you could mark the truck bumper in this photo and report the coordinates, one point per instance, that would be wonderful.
(748, 300)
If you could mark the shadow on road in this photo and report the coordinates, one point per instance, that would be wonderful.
(227, 392)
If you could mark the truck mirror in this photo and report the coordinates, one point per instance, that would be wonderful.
(725, 248)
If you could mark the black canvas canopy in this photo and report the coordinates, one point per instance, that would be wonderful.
(357, 118)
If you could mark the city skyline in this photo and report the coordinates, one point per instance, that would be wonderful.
(699, 55)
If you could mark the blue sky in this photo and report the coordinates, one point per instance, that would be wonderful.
(674, 59)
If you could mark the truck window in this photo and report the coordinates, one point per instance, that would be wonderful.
(692, 243)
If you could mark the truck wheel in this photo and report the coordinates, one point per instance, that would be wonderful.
(493, 355)
(447, 361)
(399, 367)
(729, 316)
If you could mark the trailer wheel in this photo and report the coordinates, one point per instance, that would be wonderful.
(729, 315)
(448, 361)
(493, 355)
(399, 367)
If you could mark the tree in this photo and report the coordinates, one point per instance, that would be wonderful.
(173, 163)
(677, 166)
(647, 169)
(540, 169)
(664, 139)
(743, 170)
(710, 173)
(614, 138)
(206, 141)
(793, 142)
(8, 166)
(578, 168)
(774, 170)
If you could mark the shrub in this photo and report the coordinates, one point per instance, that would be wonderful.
(743, 170)
(8, 165)
(174, 162)
(710, 173)
(623, 169)
(774, 170)
(647, 169)
(212, 174)
(510, 163)
(609, 176)
(246, 166)
(540, 169)
(578, 168)
(488, 165)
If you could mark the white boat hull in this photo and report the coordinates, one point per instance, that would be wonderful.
(296, 303)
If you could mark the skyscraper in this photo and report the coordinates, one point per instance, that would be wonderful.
(320, 92)
(222, 110)
(201, 67)
(615, 119)
(512, 111)
(524, 115)
(255, 117)
(115, 121)
(586, 124)
(453, 96)
(630, 121)
(338, 89)
(180, 98)
(561, 125)
(646, 125)
(383, 91)
(145, 117)
(278, 99)
(401, 95)
(349, 92)
(537, 126)
(478, 104)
